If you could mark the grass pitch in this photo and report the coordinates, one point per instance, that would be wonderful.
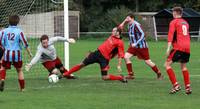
(90, 92)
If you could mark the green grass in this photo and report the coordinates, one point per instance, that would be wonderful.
(90, 92)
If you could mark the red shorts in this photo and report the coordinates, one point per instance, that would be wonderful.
(141, 53)
(7, 64)
(50, 65)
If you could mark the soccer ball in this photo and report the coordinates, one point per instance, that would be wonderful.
(53, 78)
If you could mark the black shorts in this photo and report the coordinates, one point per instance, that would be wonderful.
(179, 56)
(97, 57)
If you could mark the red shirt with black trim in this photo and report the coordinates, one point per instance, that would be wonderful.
(179, 35)
(111, 47)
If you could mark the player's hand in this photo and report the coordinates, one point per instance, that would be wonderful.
(133, 45)
(121, 27)
(119, 69)
(71, 40)
(28, 67)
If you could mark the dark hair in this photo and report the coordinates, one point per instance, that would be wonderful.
(178, 10)
(44, 37)
(119, 30)
(131, 15)
(14, 20)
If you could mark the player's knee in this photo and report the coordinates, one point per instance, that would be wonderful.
(105, 77)
(82, 64)
(127, 59)
(184, 68)
(54, 71)
(167, 65)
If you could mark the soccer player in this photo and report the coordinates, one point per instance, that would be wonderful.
(46, 53)
(179, 39)
(138, 46)
(1, 55)
(105, 52)
(12, 38)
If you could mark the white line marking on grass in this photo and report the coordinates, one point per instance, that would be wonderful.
(194, 75)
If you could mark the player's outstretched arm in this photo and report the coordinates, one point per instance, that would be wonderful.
(29, 52)
(58, 38)
(33, 61)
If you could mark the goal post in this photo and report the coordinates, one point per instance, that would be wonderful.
(66, 33)
(39, 17)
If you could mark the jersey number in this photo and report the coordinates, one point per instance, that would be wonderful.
(11, 36)
(184, 28)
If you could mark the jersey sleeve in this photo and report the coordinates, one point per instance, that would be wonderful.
(171, 31)
(1, 38)
(56, 39)
(121, 50)
(36, 57)
(23, 40)
(138, 27)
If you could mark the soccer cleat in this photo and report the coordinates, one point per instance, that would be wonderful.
(160, 76)
(22, 90)
(175, 89)
(130, 76)
(71, 77)
(2, 85)
(123, 80)
(188, 91)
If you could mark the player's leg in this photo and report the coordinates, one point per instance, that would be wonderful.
(90, 59)
(154, 68)
(50, 66)
(186, 77)
(2, 78)
(172, 77)
(128, 62)
(62, 69)
(5, 65)
(104, 65)
(18, 66)
(106, 76)
(21, 79)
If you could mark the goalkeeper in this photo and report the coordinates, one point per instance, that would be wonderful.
(46, 53)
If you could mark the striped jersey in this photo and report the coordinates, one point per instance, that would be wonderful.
(136, 35)
(12, 41)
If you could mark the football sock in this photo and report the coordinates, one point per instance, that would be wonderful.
(21, 83)
(113, 77)
(155, 69)
(129, 68)
(2, 74)
(186, 77)
(73, 69)
(172, 76)
(63, 71)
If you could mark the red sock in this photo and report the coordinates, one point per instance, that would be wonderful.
(3, 74)
(172, 76)
(186, 77)
(73, 69)
(21, 83)
(129, 68)
(155, 69)
(113, 77)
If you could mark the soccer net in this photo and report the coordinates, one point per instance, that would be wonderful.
(38, 17)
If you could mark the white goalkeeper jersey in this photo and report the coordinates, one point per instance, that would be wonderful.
(47, 54)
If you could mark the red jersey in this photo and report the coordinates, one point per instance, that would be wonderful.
(179, 35)
(111, 47)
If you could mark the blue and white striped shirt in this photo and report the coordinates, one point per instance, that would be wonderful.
(136, 35)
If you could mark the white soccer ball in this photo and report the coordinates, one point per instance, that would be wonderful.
(53, 78)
